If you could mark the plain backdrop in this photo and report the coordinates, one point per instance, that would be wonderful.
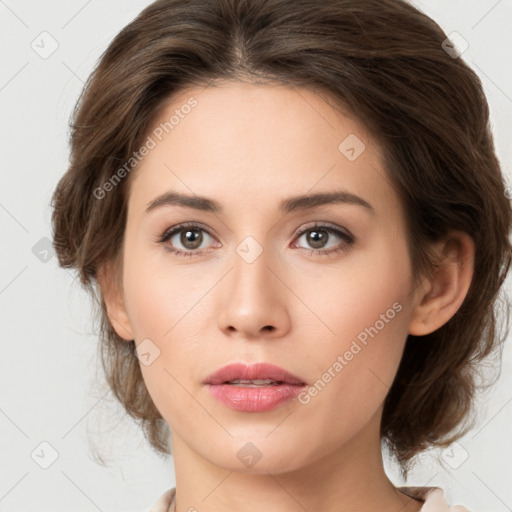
(53, 414)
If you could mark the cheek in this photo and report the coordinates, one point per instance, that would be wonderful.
(163, 305)
(163, 301)
(159, 293)
(361, 320)
(358, 293)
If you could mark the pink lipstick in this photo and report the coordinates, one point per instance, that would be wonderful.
(254, 388)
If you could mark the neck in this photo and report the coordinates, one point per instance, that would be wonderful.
(350, 478)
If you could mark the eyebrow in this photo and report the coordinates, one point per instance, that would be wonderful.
(303, 202)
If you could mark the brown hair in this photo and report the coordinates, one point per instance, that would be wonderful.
(381, 60)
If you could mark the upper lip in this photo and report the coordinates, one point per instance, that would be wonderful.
(244, 371)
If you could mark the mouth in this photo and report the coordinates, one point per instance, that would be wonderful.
(256, 383)
(254, 388)
(255, 375)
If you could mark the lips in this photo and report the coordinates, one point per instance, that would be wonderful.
(255, 388)
(243, 374)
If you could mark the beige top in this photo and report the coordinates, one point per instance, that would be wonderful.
(433, 498)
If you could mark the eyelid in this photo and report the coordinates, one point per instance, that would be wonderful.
(184, 225)
(342, 233)
(326, 226)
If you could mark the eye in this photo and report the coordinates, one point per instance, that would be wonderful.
(190, 236)
(318, 236)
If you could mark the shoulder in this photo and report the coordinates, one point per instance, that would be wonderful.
(164, 503)
(433, 497)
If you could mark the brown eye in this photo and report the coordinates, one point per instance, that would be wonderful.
(318, 237)
(185, 240)
(191, 238)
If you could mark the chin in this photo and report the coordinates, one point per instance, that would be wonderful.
(257, 456)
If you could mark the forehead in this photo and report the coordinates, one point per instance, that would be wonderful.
(236, 141)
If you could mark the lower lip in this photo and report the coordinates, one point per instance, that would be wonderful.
(254, 399)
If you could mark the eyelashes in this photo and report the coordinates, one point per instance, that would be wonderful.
(182, 228)
(319, 228)
(190, 229)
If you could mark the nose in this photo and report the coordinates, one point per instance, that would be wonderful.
(255, 300)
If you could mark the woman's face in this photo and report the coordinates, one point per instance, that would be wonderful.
(318, 288)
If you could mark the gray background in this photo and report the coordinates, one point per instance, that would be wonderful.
(51, 390)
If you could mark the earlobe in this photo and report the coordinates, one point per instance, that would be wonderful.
(110, 285)
(443, 293)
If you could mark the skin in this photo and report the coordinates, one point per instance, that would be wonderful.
(249, 147)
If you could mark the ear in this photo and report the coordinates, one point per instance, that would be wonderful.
(110, 282)
(441, 294)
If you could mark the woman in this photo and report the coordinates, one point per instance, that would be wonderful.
(297, 227)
